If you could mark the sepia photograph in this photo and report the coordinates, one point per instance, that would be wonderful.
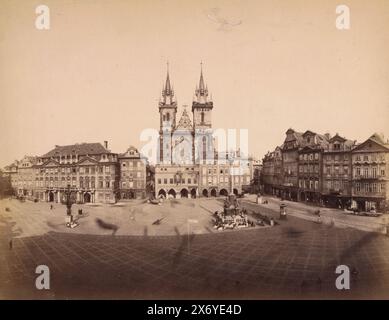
(194, 150)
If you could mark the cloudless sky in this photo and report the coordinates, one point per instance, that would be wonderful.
(98, 72)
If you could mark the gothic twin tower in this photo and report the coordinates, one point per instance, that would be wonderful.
(187, 141)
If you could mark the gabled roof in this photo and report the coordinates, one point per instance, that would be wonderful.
(373, 142)
(308, 132)
(46, 163)
(80, 149)
(127, 153)
(293, 135)
(87, 159)
(376, 137)
(185, 123)
(337, 137)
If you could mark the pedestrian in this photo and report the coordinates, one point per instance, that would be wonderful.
(51, 207)
(318, 217)
(10, 244)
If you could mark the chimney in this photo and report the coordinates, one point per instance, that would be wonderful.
(106, 145)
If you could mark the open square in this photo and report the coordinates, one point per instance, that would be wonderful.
(295, 259)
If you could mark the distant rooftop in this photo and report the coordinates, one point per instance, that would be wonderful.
(78, 148)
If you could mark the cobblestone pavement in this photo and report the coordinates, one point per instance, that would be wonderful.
(131, 218)
(295, 259)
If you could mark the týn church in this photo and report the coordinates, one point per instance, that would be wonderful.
(189, 164)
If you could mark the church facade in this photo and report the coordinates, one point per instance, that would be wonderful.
(188, 164)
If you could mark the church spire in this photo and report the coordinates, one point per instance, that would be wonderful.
(201, 93)
(168, 87)
(167, 91)
(201, 85)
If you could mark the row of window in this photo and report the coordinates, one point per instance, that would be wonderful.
(87, 170)
(133, 184)
(73, 183)
(371, 157)
(225, 179)
(311, 156)
(336, 157)
(309, 184)
(369, 187)
(338, 146)
(337, 185)
(336, 170)
(369, 172)
(74, 157)
(309, 168)
(132, 174)
(87, 178)
(130, 164)
(177, 181)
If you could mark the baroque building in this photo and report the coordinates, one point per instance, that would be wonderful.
(133, 175)
(23, 183)
(310, 166)
(90, 169)
(337, 165)
(370, 179)
(290, 149)
(331, 171)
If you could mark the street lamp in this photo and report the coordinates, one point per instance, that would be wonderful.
(69, 202)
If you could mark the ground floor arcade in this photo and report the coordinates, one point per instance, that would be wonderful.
(193, 192)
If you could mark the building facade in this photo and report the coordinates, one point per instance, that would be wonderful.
(336, 191)
(331, 171)
(26, 176)
(370, 180)
(189, 164)
(257, 176)
(90, 169)
(133, 175)
(290, 157)
(310, 166)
